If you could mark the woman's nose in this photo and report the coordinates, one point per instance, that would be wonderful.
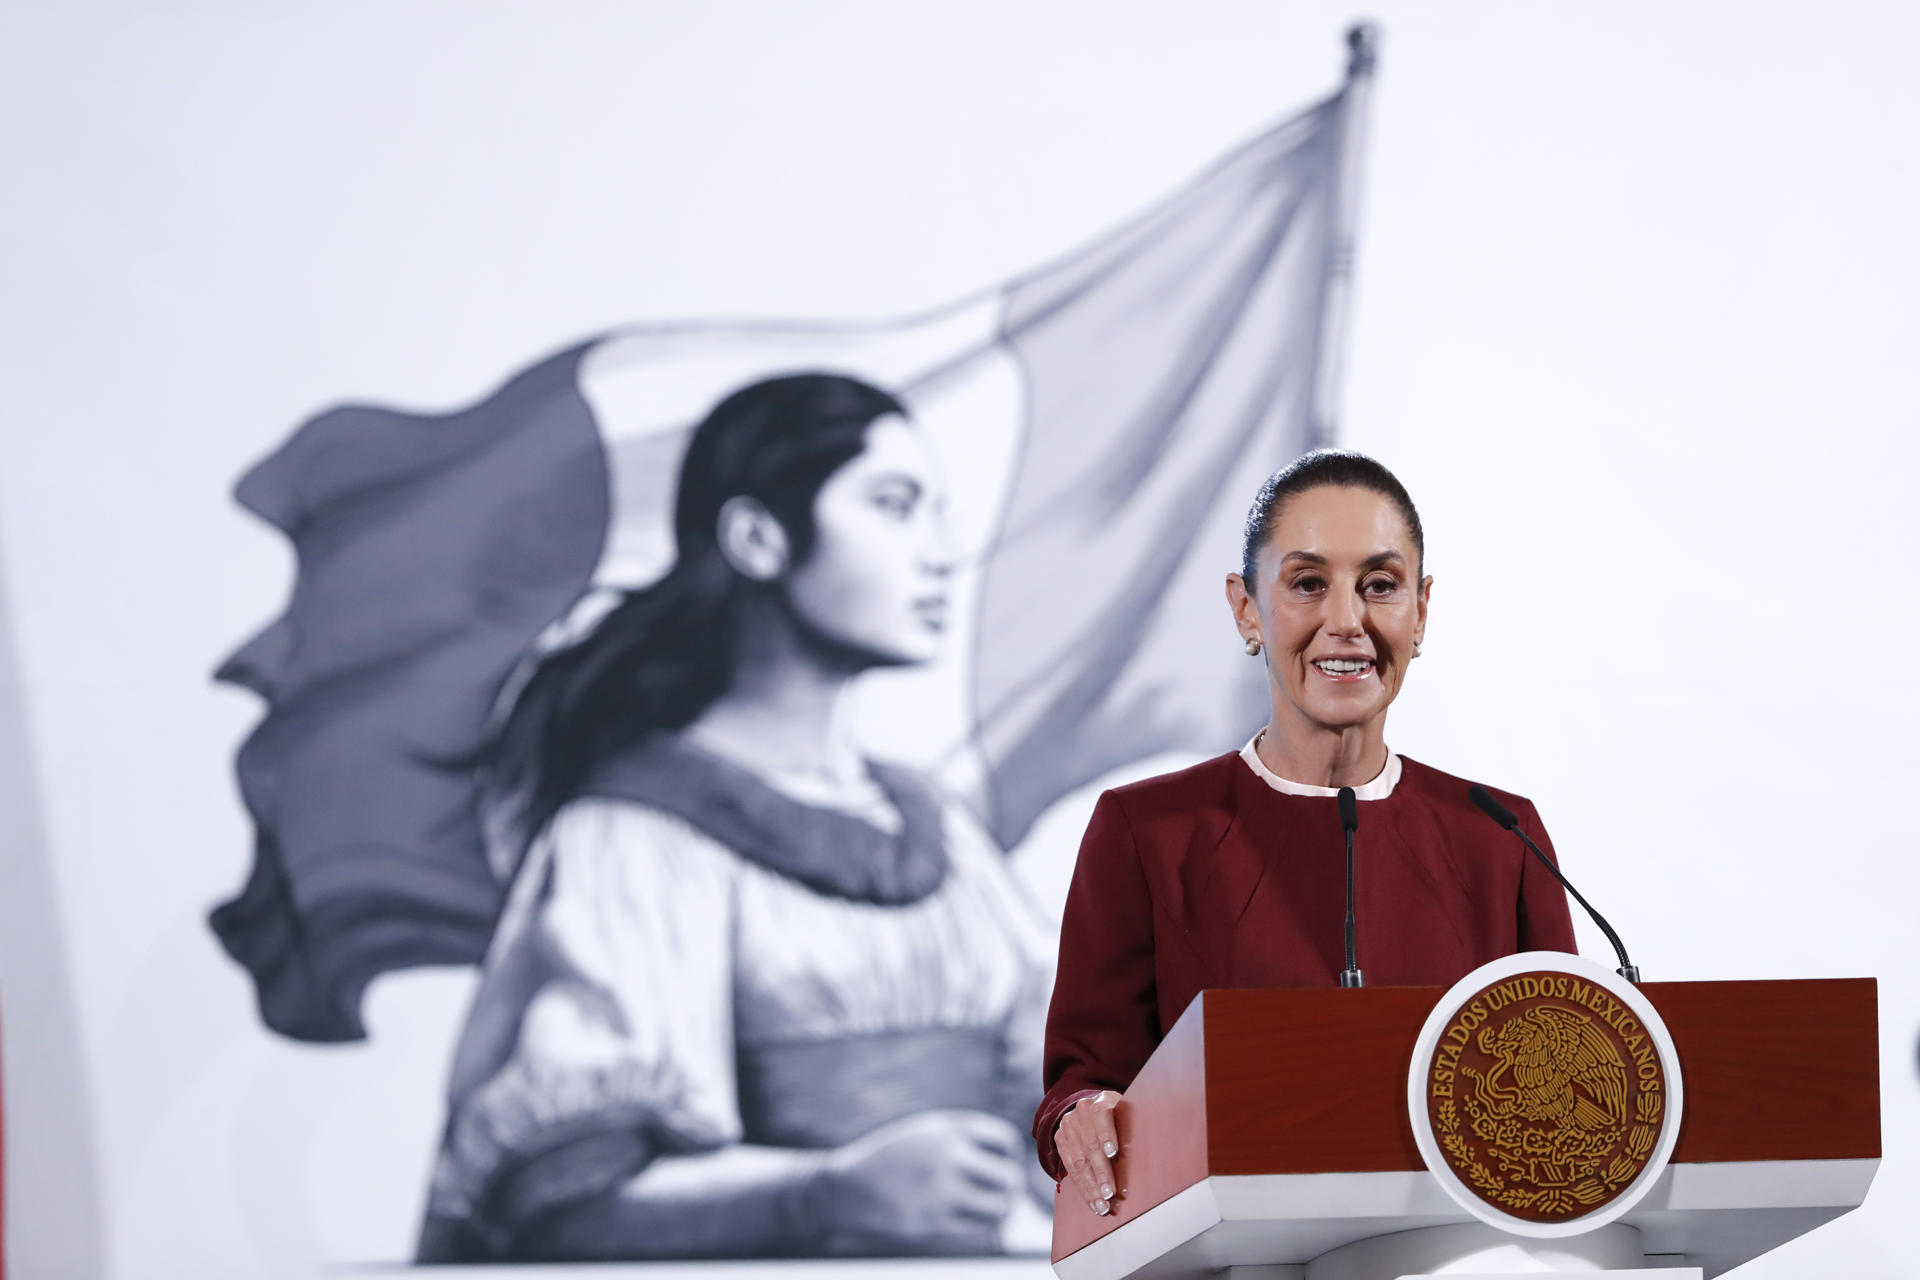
(1344, 615)
(941, 554)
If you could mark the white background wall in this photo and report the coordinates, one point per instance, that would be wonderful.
(1637, 289)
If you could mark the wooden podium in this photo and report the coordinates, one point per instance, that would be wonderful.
(1269, 1134)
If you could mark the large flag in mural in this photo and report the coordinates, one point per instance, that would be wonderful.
(1103, 422)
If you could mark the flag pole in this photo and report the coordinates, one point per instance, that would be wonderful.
(1363, 52)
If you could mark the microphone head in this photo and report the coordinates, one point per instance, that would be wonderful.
(1349, 810)
(1491, 807)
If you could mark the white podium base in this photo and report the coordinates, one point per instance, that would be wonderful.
(1642, 1273)
(1474, 1251)
(1298, 1271)
(1717, 1215)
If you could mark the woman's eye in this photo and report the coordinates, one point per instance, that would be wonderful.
(1307, 583)
(898, 505)
(1381, 586)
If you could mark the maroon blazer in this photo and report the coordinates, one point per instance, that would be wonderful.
(1210, 878)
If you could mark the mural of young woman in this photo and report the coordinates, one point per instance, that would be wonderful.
(752, 993)
(744, 991)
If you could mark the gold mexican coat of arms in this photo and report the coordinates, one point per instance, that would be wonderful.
(1546, 1095)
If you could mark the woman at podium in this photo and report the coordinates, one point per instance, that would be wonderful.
(1232, 873)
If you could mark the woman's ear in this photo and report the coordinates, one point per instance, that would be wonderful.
(1246, 619)
(752, 540)
(1420, 602)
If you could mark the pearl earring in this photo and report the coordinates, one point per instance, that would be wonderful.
(1253, 646)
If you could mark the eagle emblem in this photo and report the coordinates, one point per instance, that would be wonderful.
(1562, 1069)
(1545, 1095)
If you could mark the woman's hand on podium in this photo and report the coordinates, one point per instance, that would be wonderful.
(1088, 1143)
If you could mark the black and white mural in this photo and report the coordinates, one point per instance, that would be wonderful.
(700, 685)
(570, 575)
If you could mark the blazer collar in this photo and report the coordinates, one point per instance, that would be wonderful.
(1222, 867)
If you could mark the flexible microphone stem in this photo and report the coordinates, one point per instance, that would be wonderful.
(1505, 817)
(1350, 820)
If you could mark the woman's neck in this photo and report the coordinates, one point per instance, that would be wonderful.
(785, 711)
(1325, 758)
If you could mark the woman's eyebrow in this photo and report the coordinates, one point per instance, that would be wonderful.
(1373, 561)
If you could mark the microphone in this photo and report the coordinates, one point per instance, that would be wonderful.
(1504, 816)
(1350, 822)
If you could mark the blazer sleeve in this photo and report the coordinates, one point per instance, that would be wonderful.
(1544, 924)
(1104, 1019)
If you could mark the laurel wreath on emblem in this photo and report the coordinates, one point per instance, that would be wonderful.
(1550, 1130)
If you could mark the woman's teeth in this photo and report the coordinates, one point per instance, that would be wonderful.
(1343, 666)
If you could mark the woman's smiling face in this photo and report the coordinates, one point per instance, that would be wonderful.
(1339, 605)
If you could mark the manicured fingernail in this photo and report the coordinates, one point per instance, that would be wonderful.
(1100, 1207)
(1113, 1149)
(1106, 1191)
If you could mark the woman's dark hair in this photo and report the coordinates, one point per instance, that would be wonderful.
(664, 654)
(1323, 468)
